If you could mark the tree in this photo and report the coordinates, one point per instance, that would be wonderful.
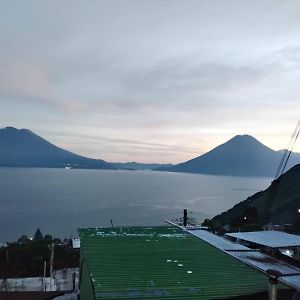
(246, 221)
(206, 222)
(38, 235)
(23, 239)
(296, 224)
(48, 237)
(250, 214)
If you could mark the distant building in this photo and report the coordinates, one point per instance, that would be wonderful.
(75, 243)
(159, 263)
(3, 244)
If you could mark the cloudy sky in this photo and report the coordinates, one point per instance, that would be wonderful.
(151, 81)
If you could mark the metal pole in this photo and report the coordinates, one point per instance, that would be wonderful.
(273, 281)
(51, 263)
(185, 217)
(273, 291)
(44, 285)
(73, 280)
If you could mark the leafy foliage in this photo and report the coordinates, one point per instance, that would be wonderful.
(248, 214)
(25, 258)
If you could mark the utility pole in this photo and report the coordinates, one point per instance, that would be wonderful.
(51, 262)
(44, 284)
(185, 217)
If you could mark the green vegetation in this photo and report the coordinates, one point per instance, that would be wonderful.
(25, 258)
(248, 214)
(159, 262)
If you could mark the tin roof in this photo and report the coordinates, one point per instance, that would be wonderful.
(271, 238)
(290, 275)
(162, 263)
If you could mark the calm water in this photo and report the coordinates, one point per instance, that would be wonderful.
(58, 201)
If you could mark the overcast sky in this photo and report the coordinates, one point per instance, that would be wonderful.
(151, 81)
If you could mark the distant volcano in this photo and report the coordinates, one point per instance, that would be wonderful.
(23, 148)
(242, 155)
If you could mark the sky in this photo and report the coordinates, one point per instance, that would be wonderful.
(150, 81)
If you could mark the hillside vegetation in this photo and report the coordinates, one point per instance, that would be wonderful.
(249, 213)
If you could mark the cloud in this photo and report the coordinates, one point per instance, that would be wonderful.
(150, 79)
(22, 78)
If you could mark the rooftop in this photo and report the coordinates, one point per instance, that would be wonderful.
(160, 262)
(271, 238)
(290, 274)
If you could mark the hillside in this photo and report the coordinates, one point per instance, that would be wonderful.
(284, 209)
(242, 155)
(23, 148)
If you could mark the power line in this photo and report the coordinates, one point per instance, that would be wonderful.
(288, 151)
(281, 168)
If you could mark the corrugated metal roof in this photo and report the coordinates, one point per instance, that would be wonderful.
(254, 258)
(271, 238)
(264, 262)
(162, 263)
(215, 240)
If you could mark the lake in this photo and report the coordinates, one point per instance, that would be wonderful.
(58, 201)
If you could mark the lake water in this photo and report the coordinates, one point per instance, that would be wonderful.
(59, 201)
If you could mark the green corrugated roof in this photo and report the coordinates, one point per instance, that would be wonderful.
(160, 262)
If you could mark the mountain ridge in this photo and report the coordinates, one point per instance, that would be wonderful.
(24, 148)
(242, 155)
(135, 166)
